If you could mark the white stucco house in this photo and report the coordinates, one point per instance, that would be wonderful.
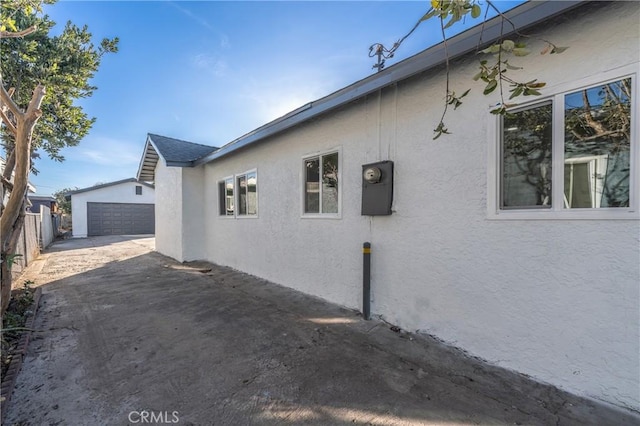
(515, 238)
(124, 207)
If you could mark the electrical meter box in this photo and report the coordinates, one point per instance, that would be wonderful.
(377, 188)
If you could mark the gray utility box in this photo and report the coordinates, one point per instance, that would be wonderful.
(377, 188)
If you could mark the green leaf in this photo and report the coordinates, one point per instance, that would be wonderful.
(508, 45)
(429, 15)
(490, 87)
(521, 51)
(495, 48)
(559, 49)
(475, 11)
(516, 92)
(511, 67)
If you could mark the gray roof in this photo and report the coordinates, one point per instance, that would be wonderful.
(68, 195)
(523, 16)
(174, 152)
(41, 197)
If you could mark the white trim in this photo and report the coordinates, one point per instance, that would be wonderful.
(557, 211)
(302, 181)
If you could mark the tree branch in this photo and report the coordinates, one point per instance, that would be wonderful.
(6, 183)
(7, 122)
(18, 34)
(5, 98)
(9, 165)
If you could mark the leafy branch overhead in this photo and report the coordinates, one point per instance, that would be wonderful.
(494, 73)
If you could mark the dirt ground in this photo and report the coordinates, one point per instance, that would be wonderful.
(128, 336)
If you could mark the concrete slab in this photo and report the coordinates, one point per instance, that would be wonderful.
(128, 336)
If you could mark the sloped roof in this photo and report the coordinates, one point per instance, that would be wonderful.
(174, 152)
(41, 197)
(68, 195)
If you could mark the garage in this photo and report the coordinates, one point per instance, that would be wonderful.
(124, 207)
(120, 219)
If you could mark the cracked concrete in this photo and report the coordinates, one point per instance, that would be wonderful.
(123, 331)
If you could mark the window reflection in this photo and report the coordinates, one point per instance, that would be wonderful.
(526, 158)
(321, 184)
(252, 193)
(597, 146)
(242, 195)
(330, 183)
(312, 186)
(229, 199)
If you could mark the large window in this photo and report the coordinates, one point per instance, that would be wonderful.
(572, 152)
(238, 196)
(321, 184)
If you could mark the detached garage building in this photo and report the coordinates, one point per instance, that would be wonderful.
(125, 207)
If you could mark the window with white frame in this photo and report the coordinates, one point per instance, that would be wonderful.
(247, 187)
(226, 197)
(571, 152)
(321, 184)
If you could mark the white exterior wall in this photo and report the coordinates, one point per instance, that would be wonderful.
(168, 210)
(47, 233)
(556, 299)
(180, 212)
(121, 193)
(193, 210)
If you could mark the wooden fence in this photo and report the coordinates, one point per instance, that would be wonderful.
(40, 229)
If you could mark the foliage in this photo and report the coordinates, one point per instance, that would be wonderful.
(42, 76)
(63, 204)
(64, 64)
(493, 72)
(13, 321)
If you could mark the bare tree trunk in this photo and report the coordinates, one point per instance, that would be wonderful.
(12, 217)
(5, 277)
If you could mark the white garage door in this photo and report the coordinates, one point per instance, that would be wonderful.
(120, 219)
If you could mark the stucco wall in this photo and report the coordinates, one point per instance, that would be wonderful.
(47, 231)
(556, 299)
(121, 193)
(168, 210)
(194, 211)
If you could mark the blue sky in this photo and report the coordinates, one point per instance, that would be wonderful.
(211, 71)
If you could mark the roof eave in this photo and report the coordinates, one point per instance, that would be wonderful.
(523, 16)
(68, 195)
(146, 168)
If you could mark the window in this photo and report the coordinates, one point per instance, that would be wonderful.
(138, 190)
(247, 185)
(571, 153)
(226, 201)
(321, 187)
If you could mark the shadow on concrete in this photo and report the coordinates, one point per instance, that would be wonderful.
(133, 331)
(72, 243)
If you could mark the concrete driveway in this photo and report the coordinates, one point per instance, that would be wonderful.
(128, 336)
